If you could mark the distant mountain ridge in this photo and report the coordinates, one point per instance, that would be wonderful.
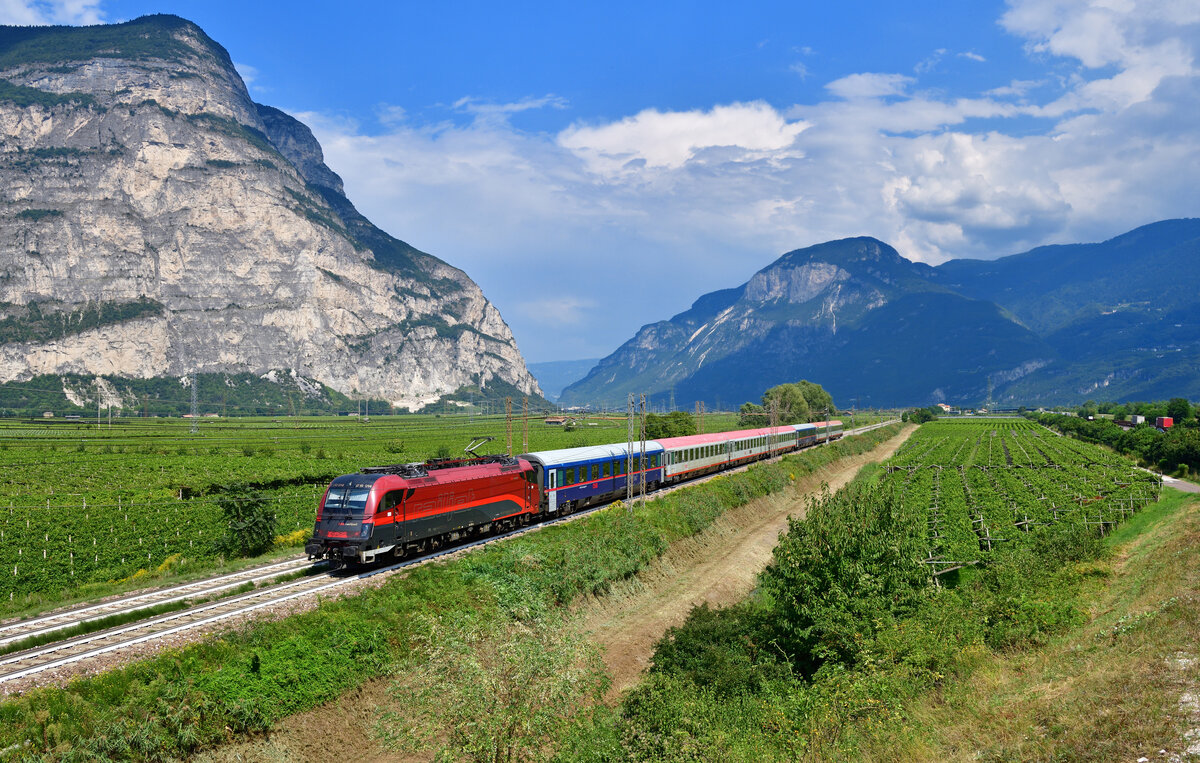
(156, 222)
(554, 375)
(877, 329)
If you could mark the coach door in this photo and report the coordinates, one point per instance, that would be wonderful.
(552, 489)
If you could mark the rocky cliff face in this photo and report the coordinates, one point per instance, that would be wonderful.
(135, 170)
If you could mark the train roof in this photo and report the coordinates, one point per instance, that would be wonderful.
(691, 441)
(589, 453)
(416, 475)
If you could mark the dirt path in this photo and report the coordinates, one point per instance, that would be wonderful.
(718, 566)
(1185, 486)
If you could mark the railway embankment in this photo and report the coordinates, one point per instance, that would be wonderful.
(245, 681)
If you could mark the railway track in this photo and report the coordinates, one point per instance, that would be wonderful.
(20, 630)
(80, 648)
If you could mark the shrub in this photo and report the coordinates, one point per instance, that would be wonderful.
(249, 522)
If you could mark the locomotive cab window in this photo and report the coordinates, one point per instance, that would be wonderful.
(346, 500)
(391, 500)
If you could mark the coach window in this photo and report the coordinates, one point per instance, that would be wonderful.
(570, 480)
(595, 471)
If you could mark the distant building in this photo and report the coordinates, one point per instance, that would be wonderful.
(945, 408)
(556, 420)
(47, 414)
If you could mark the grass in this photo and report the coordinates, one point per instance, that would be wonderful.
(69, 482)
(239, 683)
(184, 571)
(1107, 690)
(125, 618)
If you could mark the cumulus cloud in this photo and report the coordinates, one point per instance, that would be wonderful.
(40, 12)
(572, 233)
(656, 139)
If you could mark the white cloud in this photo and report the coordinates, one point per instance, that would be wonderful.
(564, 310)
(390, 115)
(40, 12)
(973, 56)
(572, 234)
(671, 139)
(869, 85)
(1017, 88)
(799, 69)
(248, 73)
(487, 110)
(930, 63)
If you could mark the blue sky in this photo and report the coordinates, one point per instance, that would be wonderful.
(595, 167)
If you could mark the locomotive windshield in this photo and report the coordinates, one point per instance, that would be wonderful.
(349, 500)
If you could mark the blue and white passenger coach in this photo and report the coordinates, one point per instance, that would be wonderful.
(572, 478)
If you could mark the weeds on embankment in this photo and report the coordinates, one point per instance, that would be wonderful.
(242, 682)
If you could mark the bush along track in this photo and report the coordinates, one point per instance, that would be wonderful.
(201, 695)
(974, 540)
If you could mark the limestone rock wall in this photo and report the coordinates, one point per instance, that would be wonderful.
(145, 177)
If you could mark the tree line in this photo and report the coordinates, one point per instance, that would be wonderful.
(1176, 449)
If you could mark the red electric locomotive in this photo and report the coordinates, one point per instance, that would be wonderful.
(412, 508)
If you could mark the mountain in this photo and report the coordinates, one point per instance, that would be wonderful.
(1148, 271)
(554, 375)
(1053, 325)
(155, 222)
(852, 314)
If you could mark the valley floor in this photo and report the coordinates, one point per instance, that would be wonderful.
(718, 566)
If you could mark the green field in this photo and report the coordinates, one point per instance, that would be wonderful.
(84, 503)
(981, 484)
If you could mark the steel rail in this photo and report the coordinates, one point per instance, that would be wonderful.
(22, 664)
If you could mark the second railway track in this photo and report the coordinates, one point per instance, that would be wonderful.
(81, 648)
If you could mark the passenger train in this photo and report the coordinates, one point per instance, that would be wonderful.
(409, 509)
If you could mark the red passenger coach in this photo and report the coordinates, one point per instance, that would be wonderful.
(411, 508)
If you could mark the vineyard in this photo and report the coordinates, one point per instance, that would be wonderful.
(981, 484)
(87, 502)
